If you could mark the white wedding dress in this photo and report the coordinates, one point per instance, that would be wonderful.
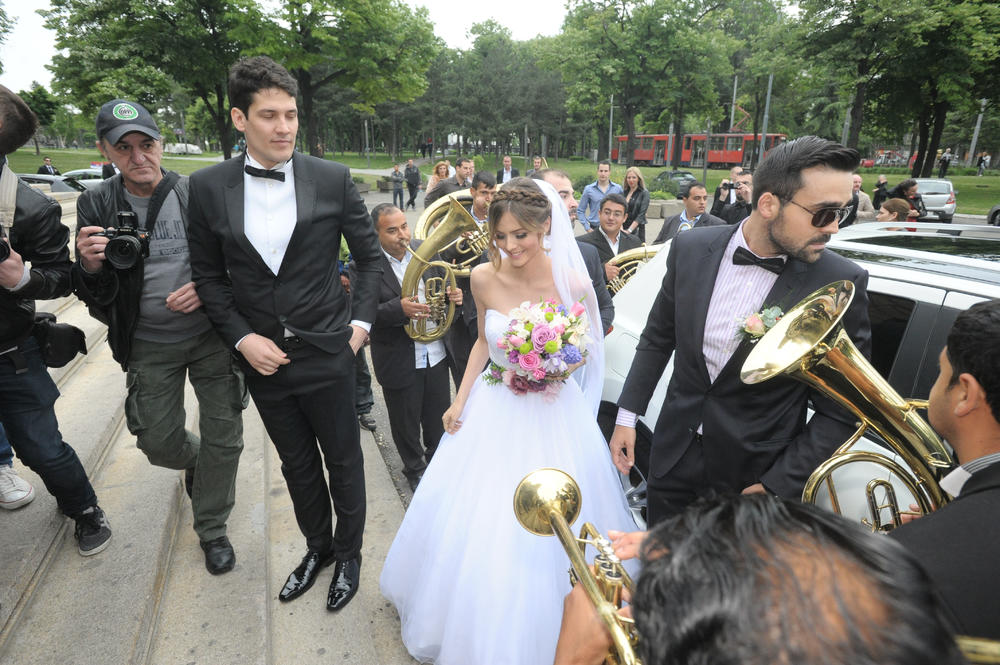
(472, 587)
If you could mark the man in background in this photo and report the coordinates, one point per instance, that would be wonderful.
(588, 211)
(695, 198)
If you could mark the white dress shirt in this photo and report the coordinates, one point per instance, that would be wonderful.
(425, 354)
(614, 244)
(505, 175)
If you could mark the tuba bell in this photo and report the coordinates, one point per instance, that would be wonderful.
(547, 502)
(809, 344)
(456, 235)
(629, 262)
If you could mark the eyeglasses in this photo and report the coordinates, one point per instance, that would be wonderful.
(825, 216)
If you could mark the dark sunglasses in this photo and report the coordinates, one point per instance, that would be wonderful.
(825, 216)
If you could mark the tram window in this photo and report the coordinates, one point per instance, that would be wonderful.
(734, 143)
(889, 317)
(716, 143)
(687, 142)
(647, 143)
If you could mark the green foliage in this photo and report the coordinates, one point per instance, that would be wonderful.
(480, 162)
(6, 25)
(41, 102)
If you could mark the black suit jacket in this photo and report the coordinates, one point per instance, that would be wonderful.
(44, 170)
(672, 226)
(513, 174)
(596, 271)
(959, 547)
(750, 433)
(240, 293)
(626, 242)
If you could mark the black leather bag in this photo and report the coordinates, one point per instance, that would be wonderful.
(58, 342)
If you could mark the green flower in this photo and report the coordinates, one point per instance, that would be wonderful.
(526, 348)
(551, 346)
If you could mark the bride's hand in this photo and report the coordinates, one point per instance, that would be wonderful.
(450, 418)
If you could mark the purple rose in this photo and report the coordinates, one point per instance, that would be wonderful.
(542, 334)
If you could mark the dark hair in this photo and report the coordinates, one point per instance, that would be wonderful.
(541, 173)
(781, 171)
(605, 162)
(613, 197)
(756, 580)
(906, 184)
(483, 178)
(534, 157)
(899, 206)
(523, 198)
(461, 160)
(973, 347)
(380, 210)
(686, 189)
(251, 75)
(17, 121)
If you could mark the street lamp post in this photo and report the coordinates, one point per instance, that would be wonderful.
(975, 133)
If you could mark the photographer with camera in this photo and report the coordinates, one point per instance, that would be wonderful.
(31, 232)
(133, 271)
(734, 213)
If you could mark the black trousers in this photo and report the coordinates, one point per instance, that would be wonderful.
(413, 195)
(419, 406)
(308, 410)
(688, 480)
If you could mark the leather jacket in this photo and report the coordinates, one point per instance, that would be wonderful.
(40, 237)
(112, 296)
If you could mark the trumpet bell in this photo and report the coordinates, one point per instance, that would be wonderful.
(542, 491)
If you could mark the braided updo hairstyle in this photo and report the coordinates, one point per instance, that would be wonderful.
(522, 198)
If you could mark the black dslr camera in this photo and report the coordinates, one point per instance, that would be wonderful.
(126, 243)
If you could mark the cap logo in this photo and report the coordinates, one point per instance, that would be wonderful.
(125, 112)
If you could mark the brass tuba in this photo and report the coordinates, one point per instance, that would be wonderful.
(548, 501)
(629, 263)
(809, 344)
(458, 232)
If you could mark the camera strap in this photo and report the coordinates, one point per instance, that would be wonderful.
(170, 179)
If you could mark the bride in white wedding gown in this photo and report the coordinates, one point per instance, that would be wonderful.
(471, 586)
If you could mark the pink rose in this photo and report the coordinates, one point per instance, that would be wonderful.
(530, 361)
(559, 328)
(577, 309)
(539, 374)
(542, 334)
(754, 325)
(516, 341)
(501, 344)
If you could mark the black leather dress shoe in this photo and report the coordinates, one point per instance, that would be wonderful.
(367, 421)
(219, 555)
(346, 578)
(304, 575)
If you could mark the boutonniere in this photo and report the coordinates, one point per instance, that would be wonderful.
(753, 326)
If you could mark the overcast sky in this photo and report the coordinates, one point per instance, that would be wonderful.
(29, 47)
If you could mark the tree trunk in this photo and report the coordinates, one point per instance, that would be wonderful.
(678, 146)
(630, 131)
(940, 113)
(923, 130)
(857, 113)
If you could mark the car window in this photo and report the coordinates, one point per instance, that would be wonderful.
(889, 317)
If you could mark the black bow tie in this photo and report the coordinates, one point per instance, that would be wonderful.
(744, 257)
(265, 173)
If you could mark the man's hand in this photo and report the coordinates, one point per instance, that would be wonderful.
(345, 282)
(756, 488)
(610, 271)
(911, 515)
(454, 295)
(583, 637)
(413, 309)
(11, 270)
(262, 354)
(623, 447)
(184, 300)
(358, 338)
(626, 545)
(90, 248)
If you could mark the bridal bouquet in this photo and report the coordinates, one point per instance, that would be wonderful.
(541, 342)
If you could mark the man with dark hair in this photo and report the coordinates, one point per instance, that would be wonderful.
(564, 188)
(725, 193)
(31, 232)
(463, 178)
(157, 328)
(714, 432)
(413, 375)
(412, 176)
(755, 580)
(536, 167)
(608, 238)
(695, 198)
(908, 190)
(736, 212)
(507, 172)
(263, 230)
(593, 194)
(484, 185)
(959, 545)
(47, 167)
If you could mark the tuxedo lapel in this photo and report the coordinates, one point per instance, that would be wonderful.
(389, 277)
(235, 213)
(305, 206)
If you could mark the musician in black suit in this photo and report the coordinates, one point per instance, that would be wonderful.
(714, 432)
(959, 545)
(609, 238)
(508, 172)
(47, 167)
(413, 375)
(264, 233)
(695, 198)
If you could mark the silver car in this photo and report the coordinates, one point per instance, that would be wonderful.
(939, 199)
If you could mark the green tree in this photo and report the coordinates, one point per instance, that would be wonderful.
(43, 104)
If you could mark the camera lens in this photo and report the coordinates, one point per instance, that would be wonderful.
(122, 252)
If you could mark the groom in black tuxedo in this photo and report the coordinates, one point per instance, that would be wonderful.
(265, 232)
(715, 433)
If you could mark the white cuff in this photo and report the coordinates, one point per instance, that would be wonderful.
(364, 325)
(626, 418)
(25, 278)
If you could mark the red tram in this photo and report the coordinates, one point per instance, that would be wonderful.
(721, 150)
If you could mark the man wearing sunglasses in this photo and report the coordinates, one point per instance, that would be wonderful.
(714, 433)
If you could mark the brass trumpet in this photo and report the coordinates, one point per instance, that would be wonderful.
(629, 262)
(809, 344)
(548, 501)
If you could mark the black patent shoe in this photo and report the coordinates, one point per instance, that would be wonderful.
(304, 575)
(346, 578)
(219, 555)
